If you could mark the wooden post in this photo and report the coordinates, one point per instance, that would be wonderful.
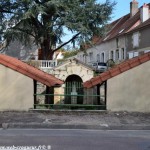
(35, 92)
(106, 94)
(98, 93)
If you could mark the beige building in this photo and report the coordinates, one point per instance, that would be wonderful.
(125, 38)
(127, 85)
(18, 84)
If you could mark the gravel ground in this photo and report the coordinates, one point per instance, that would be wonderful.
(77, 118)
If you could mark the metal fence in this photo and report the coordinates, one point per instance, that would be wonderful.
(60, 101)
(71, 96)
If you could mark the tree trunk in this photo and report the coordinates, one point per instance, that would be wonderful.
(46, 51)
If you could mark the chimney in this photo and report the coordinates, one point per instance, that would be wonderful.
(133, 8)
(144, 12)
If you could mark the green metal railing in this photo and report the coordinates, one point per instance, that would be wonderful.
(89, 102)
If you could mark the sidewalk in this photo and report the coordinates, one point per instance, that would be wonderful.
(103, 120)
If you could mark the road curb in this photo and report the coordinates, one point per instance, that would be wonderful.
(63, 126)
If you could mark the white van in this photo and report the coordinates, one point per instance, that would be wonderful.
(99, 66)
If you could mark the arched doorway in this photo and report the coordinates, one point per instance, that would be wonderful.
(73, 90)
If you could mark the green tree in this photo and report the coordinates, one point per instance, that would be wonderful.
(70, 53)
(43, 21)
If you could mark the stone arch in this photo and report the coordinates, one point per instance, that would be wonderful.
(74, 67)
(73, 77)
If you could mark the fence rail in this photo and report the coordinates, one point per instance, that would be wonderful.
(48, 63)
(58, 101)
(44, 64)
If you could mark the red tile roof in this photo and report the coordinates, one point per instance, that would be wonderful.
(29, 71)
(122, 67)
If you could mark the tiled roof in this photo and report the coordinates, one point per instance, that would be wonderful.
(120, 27)
(124, 25)
(142, 25)
(122, 67)
(29, 71)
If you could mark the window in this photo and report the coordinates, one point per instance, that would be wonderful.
(146, 51)
(133, 54)
(136, 40)
(98, 57)
(112, 55)
(81, 57)
(136, 54)
(117, 54)
(122, 53)
(102, 57)
(91, 56)
(84, 58)
(117, 42)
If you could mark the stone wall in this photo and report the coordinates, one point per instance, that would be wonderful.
(73, 68)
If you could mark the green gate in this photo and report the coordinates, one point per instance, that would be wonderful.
(73, 90)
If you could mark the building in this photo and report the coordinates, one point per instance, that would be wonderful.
(73, 72)
(58, 55)
(119, 40)
(138, 39)
(126, 85)
(18, 84)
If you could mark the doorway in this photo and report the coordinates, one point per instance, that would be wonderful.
(74, 90)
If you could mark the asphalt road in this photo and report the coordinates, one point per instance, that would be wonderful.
(75, 139)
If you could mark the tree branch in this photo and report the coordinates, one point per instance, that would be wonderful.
(5, 11)
(36, 22)
(25, 31)
(74, 37)
(2, 49)
(37, 1)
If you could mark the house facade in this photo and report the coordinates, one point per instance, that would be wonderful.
(138, 40)
(126, 85)
(113, 49)
(118, 42)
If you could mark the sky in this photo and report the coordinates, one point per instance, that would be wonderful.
(121, 8)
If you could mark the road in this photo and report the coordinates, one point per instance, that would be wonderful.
(75, 139)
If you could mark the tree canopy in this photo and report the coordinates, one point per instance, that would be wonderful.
(43, 21)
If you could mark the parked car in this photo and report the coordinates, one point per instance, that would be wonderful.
(99, 66)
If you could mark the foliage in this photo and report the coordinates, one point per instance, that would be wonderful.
(110, 63)
(43, 21)
(70, 53)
